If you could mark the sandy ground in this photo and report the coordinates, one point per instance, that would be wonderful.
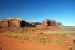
(11, 43)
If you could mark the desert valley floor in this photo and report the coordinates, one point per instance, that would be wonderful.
(36, 39)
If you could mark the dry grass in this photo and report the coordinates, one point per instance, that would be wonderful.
(66, 36)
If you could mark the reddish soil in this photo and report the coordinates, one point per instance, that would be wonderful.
(68, 26)
(12, 43)
(14, 29)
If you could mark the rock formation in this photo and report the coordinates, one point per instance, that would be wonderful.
(53, 23)
(16, 22)
(10, 22)
(59, 23)
(33, 24)
(3, 24)
(49, 23)
(45, 22)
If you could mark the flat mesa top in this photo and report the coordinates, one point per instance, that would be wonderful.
(13, 19)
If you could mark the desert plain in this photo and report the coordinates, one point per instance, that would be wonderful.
(34, 38)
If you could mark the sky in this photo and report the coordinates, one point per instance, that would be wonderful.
(38, 10)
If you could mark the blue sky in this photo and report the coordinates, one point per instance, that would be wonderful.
(38, 10)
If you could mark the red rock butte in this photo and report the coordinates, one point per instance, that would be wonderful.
(16, 22)
(20, 23)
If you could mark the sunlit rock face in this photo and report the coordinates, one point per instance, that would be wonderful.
(53, 23)
(16, 22)
(45, 22)
(10, 22)
(3, 24)
(49, 23)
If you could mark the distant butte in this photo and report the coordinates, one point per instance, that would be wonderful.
(19, 25)
(16, 22)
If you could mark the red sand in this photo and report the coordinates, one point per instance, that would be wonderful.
(11, 43)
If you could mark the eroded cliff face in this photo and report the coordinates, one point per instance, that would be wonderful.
(16, 22)
(3, 24)
(51, 23)
(10, 22)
